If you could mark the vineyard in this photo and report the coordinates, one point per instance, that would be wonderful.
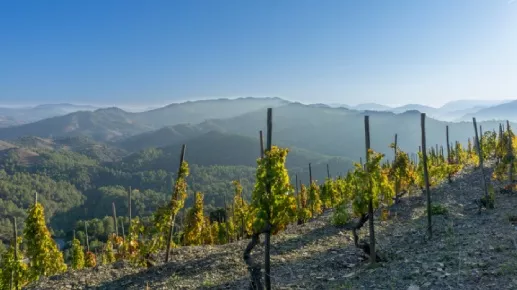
(339, 232)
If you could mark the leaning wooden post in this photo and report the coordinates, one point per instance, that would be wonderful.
(395, 149)
(478, 147)
(261, 144)
(123, 231)
(226, 217)
(510, 152)
(481, 140)
(267, 262)
(426, 177)
(235, 235)
(310, 174)
(299, 203)
(173, 215)
(296, 186)
(115, 217)
(328, 171)
(370, 202)
(129, 213)
(242, 216)
(499, 140)
(394, 162)
(448, 150)
(86, 233)
(254, 269)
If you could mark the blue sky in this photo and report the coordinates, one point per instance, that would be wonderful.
(335, 51)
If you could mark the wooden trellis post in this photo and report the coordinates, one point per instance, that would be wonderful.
(426, 177)
(478, 147)
(173, 217)
(373, 256)
(267, 262)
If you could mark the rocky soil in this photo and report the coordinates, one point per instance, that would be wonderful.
(468, 250)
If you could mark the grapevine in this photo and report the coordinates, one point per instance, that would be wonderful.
(42, 251)
(195, 222)
(108, 256)
(280, 202)
(9, 265)
(206, 234)
(402, 172)
(241, 209)
(77, 254)
(90, 260)
(165, 215)
(314, 201)
(329, 193)
(303, 213)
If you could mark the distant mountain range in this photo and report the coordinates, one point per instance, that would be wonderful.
(317, 128)
(193, 111)
(504, 111)
(114, 123)
(24, 115)
(452, 111)
(333, 132)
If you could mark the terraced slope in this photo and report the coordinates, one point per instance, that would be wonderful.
(468, 251)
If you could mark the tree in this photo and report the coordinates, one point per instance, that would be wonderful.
(42, 251)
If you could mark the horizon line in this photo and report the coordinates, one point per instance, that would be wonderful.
(147, 107)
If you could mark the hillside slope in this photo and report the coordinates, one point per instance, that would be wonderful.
(216, 148)
(328, 131)
(15, 116)
(505, 111)
(468, 251)
(102, 124)
(114, 123)
(80, 144)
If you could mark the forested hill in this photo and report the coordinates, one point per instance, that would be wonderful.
(78, 178)
(329, 131)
